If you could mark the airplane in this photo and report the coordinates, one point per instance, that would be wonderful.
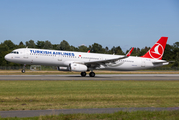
(83, 62)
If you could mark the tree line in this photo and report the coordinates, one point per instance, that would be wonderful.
(171, 51)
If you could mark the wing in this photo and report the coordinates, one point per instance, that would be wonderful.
(99, 62)
(105, 61)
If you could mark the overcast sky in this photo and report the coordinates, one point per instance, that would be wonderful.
(125, 23)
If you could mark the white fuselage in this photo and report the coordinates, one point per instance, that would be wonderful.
(64, 58)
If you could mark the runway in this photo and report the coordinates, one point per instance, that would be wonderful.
(97, 77)
(33, 113)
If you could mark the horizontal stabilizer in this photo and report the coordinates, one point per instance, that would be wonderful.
(161, 62)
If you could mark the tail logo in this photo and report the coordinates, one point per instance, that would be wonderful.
(156, 51)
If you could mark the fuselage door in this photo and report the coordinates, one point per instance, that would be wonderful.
(59, 57)
(25, 54)
(142, 62)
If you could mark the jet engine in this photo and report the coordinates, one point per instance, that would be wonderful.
(78, 67)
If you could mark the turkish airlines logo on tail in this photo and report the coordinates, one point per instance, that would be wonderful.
(156, 51)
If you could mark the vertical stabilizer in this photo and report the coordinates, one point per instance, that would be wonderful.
(157, 51)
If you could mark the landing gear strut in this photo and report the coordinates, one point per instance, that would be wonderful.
(23, 70)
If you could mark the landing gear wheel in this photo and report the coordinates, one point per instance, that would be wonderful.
(23, 71)
(83, 74)
(92, 74)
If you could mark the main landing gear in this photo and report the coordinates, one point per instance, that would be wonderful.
(83, 74)
(23, 70)
(91, 74)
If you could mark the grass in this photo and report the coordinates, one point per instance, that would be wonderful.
(36, 95)
(121, 115)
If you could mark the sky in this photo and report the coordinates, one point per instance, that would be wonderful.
(124, 23)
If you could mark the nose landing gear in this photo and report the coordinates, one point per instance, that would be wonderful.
(23, 70)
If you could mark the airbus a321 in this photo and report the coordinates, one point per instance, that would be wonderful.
(83, 61)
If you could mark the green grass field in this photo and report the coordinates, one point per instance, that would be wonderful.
(33, 95)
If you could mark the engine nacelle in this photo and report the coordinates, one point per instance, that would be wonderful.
(78, 67)
(63, 68)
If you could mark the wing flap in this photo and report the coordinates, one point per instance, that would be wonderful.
(109, 60)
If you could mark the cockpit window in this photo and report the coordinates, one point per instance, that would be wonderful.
(15, 52)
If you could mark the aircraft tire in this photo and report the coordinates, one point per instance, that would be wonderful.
(83, 74)
(92, 74)
(23, 71)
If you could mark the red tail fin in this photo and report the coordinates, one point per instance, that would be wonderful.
(156, 52)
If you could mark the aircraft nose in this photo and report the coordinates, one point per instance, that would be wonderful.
(7, 57)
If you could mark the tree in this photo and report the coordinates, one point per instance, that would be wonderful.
(4, 47)
(176, 54)
(47, 45)
(168, 53)
(30, 44)
(9, 44)
(176, 45)
(142, 52)
(40, 44)
(83, 48)
(106, 49)
(116, 50)
(97, 48)
(73, 48)
(64, 45)
(176, 63)
(119, 51)
(113, 49)
(54, 46)
(21, 45)
(135, 51)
